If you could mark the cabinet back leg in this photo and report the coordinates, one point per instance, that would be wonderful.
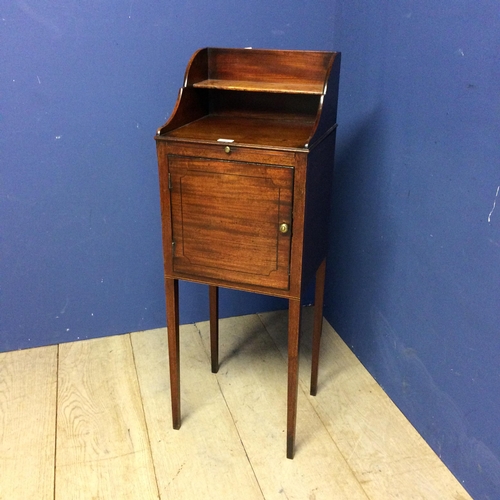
(214, 327)
(319, 295)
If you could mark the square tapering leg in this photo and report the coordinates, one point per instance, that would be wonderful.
(214, 327)
(317, 324)
(294, 314)
(172, 290)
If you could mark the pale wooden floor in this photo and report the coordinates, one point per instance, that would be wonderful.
(91, 420)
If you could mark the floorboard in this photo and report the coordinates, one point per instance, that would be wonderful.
(92, 420)
(252, 378)
(28, 386)
(205, 457)
(103, 447)
(387, 455)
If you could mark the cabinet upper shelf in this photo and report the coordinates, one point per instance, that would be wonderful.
(291, 94)
(260, 70)
(252, 86)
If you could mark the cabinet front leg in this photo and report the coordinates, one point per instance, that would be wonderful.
(319, 295)
(214, 327)
(294, 313)
(172, 289)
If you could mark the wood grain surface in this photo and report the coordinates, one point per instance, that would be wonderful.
(115, 440)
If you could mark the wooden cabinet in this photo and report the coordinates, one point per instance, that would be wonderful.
(245, 166)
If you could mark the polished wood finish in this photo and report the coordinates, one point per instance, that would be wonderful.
(286, 67)
(214, 327)
(294, 315)
(249, 131)
(292, 88)
(317, 325)
(245, 165)
(225, 217)
(172, 291)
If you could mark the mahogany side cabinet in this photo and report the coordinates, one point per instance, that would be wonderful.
(245, 168)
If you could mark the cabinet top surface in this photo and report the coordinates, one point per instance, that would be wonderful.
(247, 131)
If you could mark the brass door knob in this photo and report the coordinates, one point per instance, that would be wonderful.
(227, 149)
(284, 228)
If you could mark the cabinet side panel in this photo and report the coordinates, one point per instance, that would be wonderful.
(197, 68)
(299, 200)
(191, 105)
(318, 205)
(166, 218)
(327, 112)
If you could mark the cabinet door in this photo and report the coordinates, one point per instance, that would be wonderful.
(226, 218)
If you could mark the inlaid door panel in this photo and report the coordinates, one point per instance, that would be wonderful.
(231, 220)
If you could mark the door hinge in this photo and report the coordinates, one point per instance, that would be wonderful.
(169, 181)
(173, 248)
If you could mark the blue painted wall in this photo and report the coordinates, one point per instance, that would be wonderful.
(83, 87)
(414, 272)
(414, 269)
